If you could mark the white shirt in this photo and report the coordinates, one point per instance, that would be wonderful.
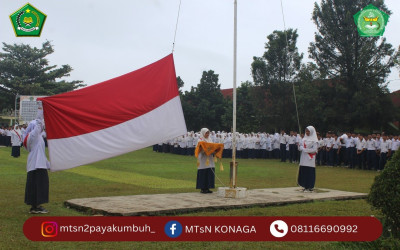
(283, 139)
(361, 144)
(308, 153)
(395, 145)
(385, 146)
(228, 142)
(263, 142)
(336, 144)
(329, 142)
(269, 143)
(371, 145)
(16, 138)
(378, 143)
(36, 148)
(292, 139)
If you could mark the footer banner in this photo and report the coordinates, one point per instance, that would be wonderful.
(187, 228)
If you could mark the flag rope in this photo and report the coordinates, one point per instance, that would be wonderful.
(218, 178)
(176, 26)
(286, 47)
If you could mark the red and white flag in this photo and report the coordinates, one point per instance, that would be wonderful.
(124, 114)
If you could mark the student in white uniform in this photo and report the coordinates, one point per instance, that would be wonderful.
(257, 146)
(335, 149)
(384, 151)
(37, 182)
(361, 146)
(239, 145)
(269, 146)
(228, 145)
(263, 146)
(308, 148)
(395, 146)
(319, 152)
(205, 172)
(8, 136)
(16, 140)
(283, 141)
(292, 147)
(276, 146)
(328, 149)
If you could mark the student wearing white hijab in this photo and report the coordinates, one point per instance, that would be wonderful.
(308, 148)
(206, 168)
(16, 140)
(37, 181)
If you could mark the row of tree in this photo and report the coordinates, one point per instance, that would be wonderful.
(344, 89)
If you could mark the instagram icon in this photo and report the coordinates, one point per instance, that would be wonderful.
(49, 229)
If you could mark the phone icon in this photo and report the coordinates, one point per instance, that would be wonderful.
(278, 228)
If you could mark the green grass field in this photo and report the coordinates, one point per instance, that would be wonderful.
(147, 172)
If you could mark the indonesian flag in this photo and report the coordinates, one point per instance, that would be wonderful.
(124, 114)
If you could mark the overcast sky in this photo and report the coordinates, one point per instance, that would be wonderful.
(104, 39)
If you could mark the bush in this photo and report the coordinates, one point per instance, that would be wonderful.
(385, 195)
(381, 243)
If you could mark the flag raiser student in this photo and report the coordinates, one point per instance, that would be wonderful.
(308, 148)
(37, 181)
(206, 168)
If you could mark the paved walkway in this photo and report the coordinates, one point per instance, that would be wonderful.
(170, 204)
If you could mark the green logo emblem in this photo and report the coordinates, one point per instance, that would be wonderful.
(28, 21)
(371, 21)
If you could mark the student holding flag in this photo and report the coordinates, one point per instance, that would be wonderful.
(37, 182)
(309, 149)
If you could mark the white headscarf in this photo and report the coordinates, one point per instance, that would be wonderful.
(313, 135)
(30, 127)
(203, 132)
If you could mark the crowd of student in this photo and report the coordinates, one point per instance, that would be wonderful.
(11, 136)
(350, 150)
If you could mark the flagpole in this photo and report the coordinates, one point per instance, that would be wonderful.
(233, 182)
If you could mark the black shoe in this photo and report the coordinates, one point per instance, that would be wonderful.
(208, 191)
(203, 191)
(38, 210)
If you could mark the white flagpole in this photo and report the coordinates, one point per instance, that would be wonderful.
(234, 97)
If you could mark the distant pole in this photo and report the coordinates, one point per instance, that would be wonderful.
(233, 185)
(15, 109)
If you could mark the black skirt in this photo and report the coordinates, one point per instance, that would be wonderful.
(306, 178)
(205, 178)
(37, 187)
(15, 151)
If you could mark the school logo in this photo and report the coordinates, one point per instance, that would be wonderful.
(28, 21)
(371, 21)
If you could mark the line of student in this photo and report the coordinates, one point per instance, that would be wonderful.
(350, 150)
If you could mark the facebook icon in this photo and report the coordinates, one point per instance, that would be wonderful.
(173, 229)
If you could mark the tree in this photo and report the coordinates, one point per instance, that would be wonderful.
(281, 60)
(275, 71)
(245, 112)
(309, 97)
(204, 105)
(357, 66)
(180, 83)
(25, 70)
